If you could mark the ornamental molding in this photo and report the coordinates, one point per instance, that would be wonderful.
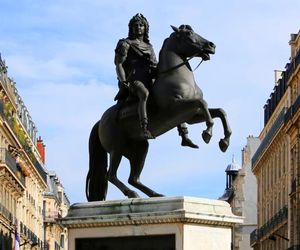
(3, 67)
(166, 210)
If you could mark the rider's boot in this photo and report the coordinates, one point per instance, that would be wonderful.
(185, 140)
(144, 125)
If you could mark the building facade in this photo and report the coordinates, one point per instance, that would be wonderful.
(56, 205)
(276, 164)
(23, 178)
(240, 192)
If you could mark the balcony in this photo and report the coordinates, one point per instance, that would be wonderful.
(269, 226)
(21, 136)
(10, 162)
(254, 237)
(5, 213)
(8, 215)
(29, 235)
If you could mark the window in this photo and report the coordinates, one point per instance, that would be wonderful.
(62, 240)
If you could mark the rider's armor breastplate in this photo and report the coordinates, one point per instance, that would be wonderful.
(138, 63)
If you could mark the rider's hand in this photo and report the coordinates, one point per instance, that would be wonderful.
(126, 84)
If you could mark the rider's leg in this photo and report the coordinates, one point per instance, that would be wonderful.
(142, 93)
(185, 140)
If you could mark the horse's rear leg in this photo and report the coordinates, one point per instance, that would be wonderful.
(137, 161)
(115, 159)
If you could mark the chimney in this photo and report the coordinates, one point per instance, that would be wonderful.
(293, 45)
(41, 148)
(278, 76)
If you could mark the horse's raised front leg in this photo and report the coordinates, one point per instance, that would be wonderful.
(218, 112)
(137, 161)
(202, 105)
(115, 159)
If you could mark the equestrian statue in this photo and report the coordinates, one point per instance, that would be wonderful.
(152, 99)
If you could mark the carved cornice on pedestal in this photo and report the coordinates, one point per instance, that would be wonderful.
(150, 211)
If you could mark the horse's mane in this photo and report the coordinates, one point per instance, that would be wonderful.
(160, 52)
(163, 47)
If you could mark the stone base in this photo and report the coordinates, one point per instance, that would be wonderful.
(177, 223)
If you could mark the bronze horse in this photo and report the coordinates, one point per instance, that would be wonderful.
(174, 99)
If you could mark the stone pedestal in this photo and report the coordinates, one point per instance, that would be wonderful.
(176, 223)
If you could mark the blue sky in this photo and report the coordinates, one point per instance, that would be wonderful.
(60, 53)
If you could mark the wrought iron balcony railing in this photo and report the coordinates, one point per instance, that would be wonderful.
(20, 134)
(8, 215)
(5, 213)
(271, 224)
(25, 231)
(254, 237)
(10, 162)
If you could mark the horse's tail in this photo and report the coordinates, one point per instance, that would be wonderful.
(96, 181)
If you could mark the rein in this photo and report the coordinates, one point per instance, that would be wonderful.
(181, 64)
(198, 65)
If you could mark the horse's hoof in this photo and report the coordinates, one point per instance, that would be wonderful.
(206, 136)
(132, 194)
(223, 144)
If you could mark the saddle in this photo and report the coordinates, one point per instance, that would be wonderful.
(127, 108)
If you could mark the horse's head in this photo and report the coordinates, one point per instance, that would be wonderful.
(189, 43)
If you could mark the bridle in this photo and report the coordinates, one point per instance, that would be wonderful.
(185, 61)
